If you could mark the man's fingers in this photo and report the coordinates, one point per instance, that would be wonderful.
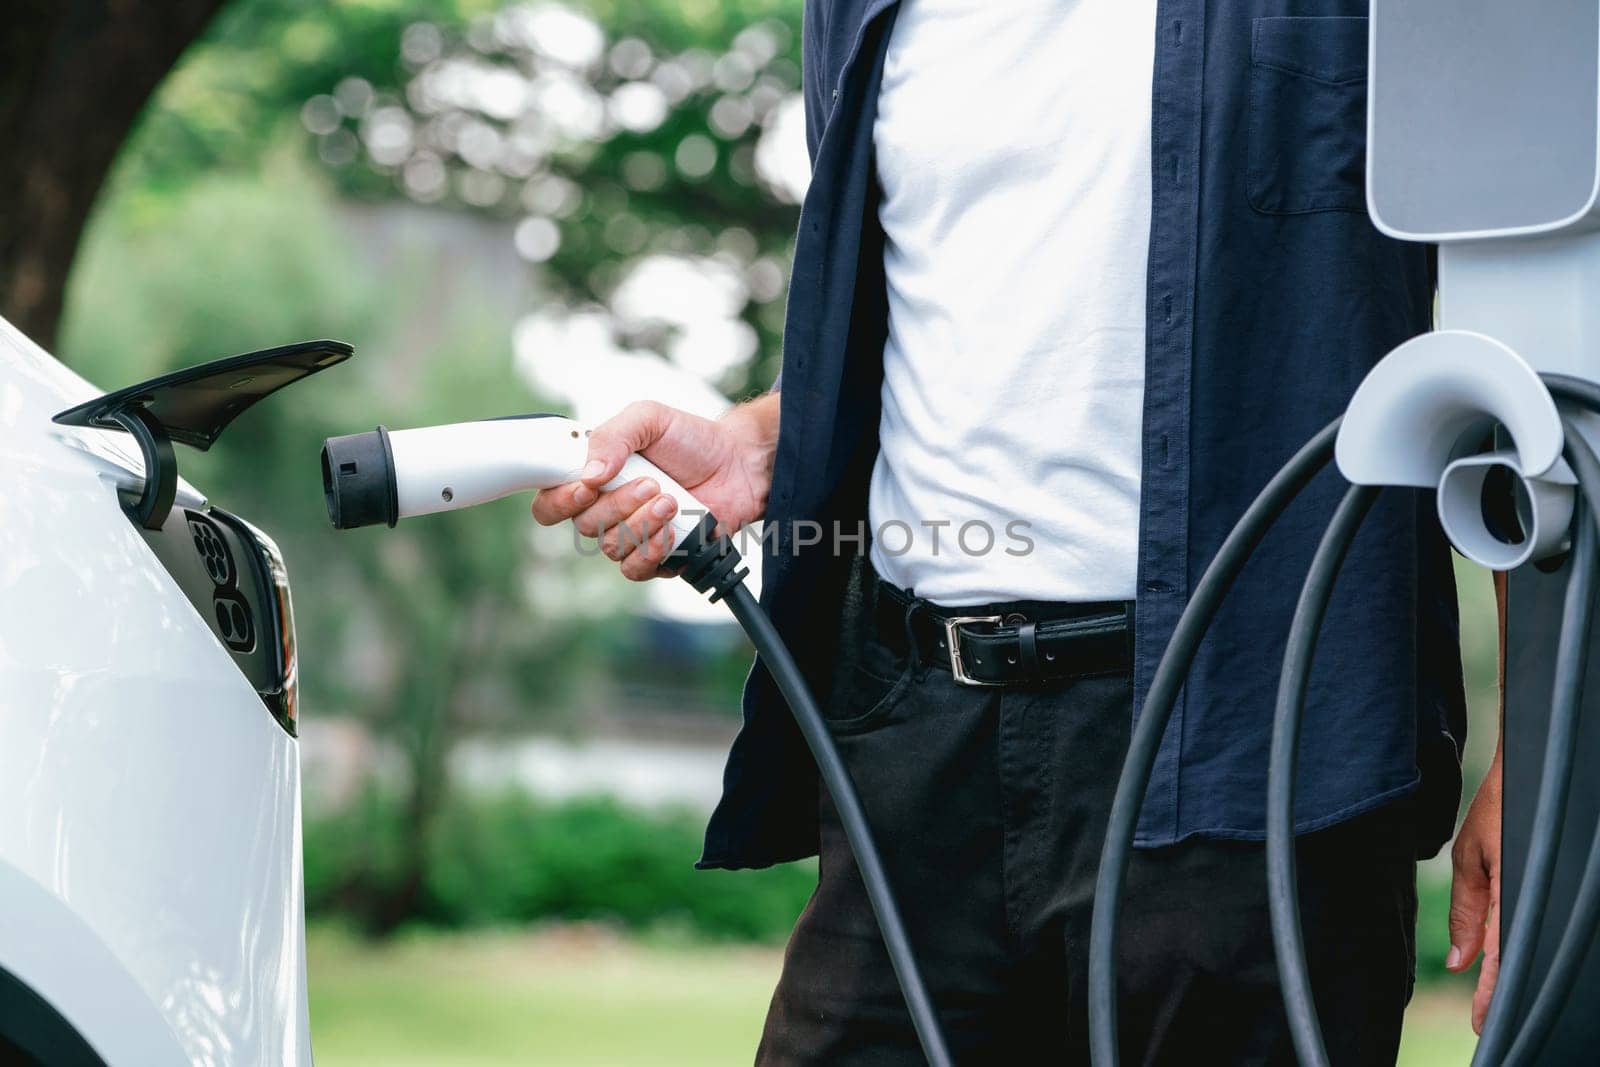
(561, 502)
(633, 429)
(1471, 899)
(644, 562)
(632, 522)
(633, 533)
(615, 506)
(1488, 974)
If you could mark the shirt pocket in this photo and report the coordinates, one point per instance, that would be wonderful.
(1308, 115)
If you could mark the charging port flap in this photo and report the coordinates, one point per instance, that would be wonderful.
(193, 406)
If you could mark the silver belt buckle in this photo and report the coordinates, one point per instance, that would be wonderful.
(952, 645)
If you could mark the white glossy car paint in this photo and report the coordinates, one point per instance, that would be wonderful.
(150, 878)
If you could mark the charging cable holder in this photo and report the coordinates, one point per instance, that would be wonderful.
(1463, 413)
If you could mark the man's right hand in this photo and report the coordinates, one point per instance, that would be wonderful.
(726, 464)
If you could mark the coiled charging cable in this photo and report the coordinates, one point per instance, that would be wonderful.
(1572, 657)
(1524, 1043)
(1209, 593)
(1579, 935)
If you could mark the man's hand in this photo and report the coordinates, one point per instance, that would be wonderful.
(726, 464)
(1475, 892)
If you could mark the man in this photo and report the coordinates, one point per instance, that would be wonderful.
(1081, 274)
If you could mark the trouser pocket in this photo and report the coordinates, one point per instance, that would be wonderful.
(870, 682)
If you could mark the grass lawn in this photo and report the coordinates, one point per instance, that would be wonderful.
(576, 996)
(1437, 1031)
(569, 996)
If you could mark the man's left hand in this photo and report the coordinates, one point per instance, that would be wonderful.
(1475, 893)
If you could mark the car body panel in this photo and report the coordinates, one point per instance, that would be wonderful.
(148, 789)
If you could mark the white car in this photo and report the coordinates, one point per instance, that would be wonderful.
(151, 907)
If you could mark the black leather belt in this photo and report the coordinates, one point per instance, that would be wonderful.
(1012, 644)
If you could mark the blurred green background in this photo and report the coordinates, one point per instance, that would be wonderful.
(508, 752)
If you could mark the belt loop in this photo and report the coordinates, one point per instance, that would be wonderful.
(913, 651)
(1028, 647)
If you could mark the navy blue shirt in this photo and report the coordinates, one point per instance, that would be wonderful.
(1270, 295)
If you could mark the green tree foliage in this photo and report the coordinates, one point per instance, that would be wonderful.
(608, 131)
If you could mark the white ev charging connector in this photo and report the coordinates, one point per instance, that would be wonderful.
(387, 475)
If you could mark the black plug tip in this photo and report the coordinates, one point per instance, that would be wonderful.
(358, 480)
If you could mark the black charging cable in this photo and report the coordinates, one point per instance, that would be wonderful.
(1498, 1044)
(1516, 957)
(1579, 935)
(1521, 936)
(1571, 953)
(711, 564)
(1283, 897)
(1282, 892)
(1162, 696)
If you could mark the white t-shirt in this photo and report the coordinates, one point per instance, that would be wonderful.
(1013, 149)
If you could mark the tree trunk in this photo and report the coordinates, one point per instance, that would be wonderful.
(436, 699)
(74, 75)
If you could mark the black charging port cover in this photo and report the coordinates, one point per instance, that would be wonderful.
(194, 405)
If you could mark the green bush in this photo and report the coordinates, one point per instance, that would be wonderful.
(511, 859)
(494, 860)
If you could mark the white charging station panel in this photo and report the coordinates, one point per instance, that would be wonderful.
(1483, 117)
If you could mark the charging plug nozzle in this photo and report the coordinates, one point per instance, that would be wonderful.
(358, 480)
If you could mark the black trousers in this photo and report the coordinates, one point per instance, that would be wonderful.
(990, 807)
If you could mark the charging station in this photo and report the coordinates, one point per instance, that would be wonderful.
(1483, 137)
